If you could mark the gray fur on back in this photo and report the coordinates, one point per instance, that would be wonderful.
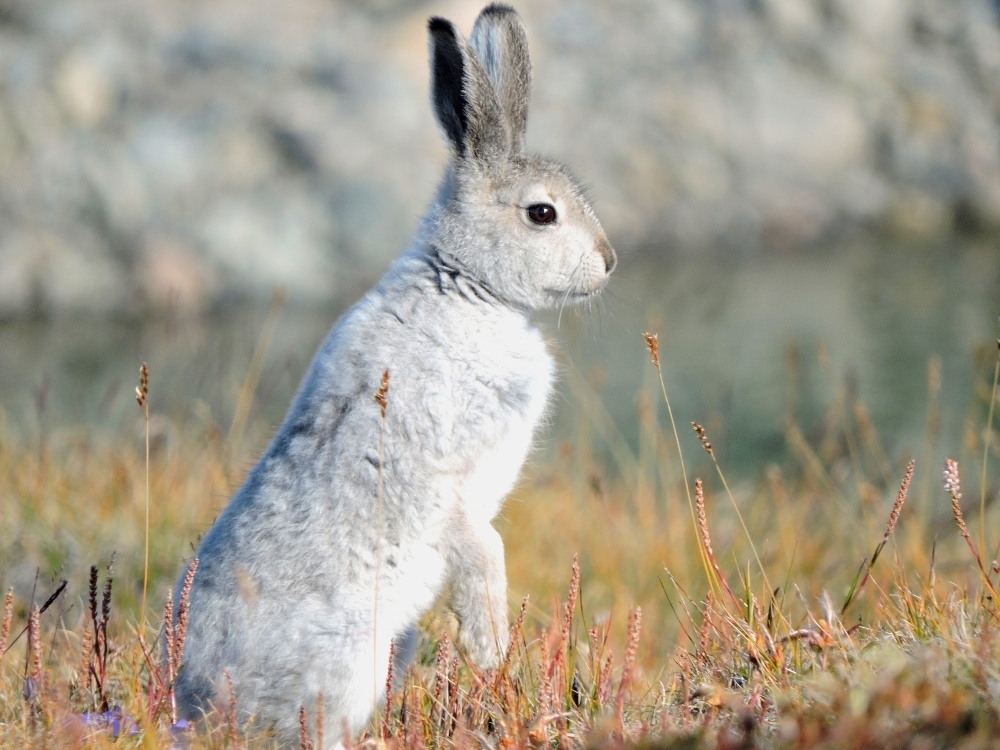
(311, 571)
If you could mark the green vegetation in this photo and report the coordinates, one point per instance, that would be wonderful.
(845, 600)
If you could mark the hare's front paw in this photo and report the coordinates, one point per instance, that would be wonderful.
(485, 638)
(479, 592)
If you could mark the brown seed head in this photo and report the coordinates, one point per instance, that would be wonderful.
(516, 629)
(88, 651)
(699, 501)
(604, 682)
(574, 592)
(93, 594)
(35, 645)
(453, 703)
(632, 642)
(234, 735)
(900, 499)
(545, 677)
(8, 616)
(168, 636)
(106, 597)
(304, 742)
(631, 646)
(382, 394)
(441, 672)
(952, 481)
(388, 689)
(320, 740)
(183, 606)
(653, 342)
(702, 437)
(953, 486)
(522, 613)
(142, 390)
(706, 539)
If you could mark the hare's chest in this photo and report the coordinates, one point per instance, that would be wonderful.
(521, 397)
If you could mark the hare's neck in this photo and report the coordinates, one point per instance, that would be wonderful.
(453, 277)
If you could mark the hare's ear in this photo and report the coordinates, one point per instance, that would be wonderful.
(501, 43)
(464, 100)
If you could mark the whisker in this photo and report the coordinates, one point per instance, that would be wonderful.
(571, 283)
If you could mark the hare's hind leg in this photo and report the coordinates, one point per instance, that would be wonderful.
(362, 686)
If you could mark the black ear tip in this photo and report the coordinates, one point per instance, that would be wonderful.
(437, 25)
(498, 9)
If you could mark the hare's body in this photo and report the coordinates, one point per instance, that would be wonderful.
(288, 573)
(360, 513)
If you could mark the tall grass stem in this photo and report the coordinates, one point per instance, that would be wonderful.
(653, 343)
(248, 391)
(700, 431)
(987, 440)
(382, 399)
(142, 397)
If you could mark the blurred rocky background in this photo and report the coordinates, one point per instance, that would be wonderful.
(182, 155)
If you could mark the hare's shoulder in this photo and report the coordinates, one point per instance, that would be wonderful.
(409, 323)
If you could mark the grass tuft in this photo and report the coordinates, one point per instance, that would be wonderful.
(641, 630)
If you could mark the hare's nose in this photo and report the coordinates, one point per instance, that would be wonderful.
(608, 253)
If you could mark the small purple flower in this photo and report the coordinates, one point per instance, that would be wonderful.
(30, 690)
(115, 720)
(181, 734)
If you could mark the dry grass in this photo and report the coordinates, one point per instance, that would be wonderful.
(822, 606)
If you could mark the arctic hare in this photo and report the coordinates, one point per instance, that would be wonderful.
(360, 513)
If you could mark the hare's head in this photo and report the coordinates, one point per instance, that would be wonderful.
(518, 223)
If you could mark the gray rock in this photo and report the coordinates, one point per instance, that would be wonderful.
(163, 154)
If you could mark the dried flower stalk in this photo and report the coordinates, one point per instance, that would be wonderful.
(953, 486)
(706, 539)
(898, 505)
(320, 741)
(544, 677)
(8, 618)
(388, 689)
(631, 646)
(234, 736)
(88, 650)
(653, 344)
(703, 438)
(382, 394)
(441, 678)
(897, 508)
(183, 608)
(142, 390)
(304, 742)
(141, 397)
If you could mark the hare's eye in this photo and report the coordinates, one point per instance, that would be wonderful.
(542, 213)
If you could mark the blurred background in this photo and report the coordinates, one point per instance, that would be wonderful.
(805, 195)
